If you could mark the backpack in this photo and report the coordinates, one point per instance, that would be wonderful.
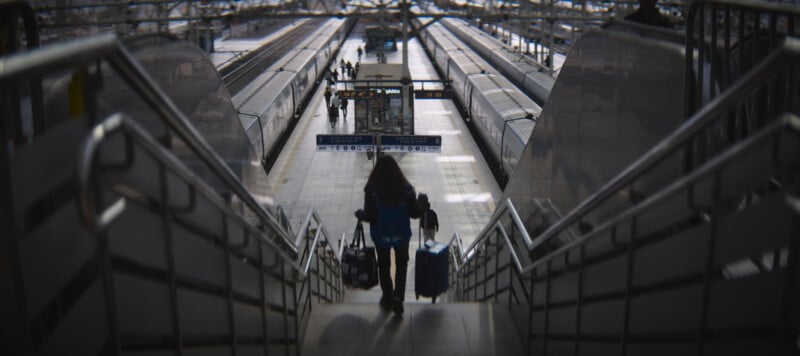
(392, 226)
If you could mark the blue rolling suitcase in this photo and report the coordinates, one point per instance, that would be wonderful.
(431, 275)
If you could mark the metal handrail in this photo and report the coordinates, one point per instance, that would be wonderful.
(328, 285)
(86, 162)
(85, 51)
(506, 208)
(320, 232)
(715, 29)
(342, 244)
(788, 120)
(77, 52)
(456, 250)
(160, 102)
(312, 214)
(498, 228)
(760, 5)
(312, 249)
(771, 66)
(262, 232)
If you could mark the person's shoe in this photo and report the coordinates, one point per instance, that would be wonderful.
(397, 306)
(386, 304)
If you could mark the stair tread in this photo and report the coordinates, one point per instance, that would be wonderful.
(424, 329)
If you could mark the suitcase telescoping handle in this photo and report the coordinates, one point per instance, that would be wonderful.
(422, 222)
(419, 232)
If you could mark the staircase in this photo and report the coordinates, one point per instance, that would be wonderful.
(424, 329)
(703, 259)
(112, 244)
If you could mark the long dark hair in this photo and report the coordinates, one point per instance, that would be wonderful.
(387, 179)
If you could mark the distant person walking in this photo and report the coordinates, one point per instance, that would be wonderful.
(381, 56)
(360, 52)
(335, 100)
(333, 115)
(328, 96)
(343, 106)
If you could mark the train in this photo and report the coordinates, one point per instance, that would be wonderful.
(273, 100)
(502, 115)
(528, 75)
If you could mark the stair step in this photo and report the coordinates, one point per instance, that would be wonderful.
(424, 329)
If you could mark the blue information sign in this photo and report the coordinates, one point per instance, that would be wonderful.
(344, 143)
(411, 143)
(389, 143)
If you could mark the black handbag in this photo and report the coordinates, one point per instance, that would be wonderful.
(359, 266)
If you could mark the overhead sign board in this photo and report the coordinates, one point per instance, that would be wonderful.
(411, 143)
(355, 94)
(388, 143)
(433, 94)
(344, 143)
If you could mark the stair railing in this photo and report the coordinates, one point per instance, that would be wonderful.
(731, 37)
(779, 63)
(465, 264)
(554, 260)
(319, 267)
(316, 268)
(84, 52)
(304, 265)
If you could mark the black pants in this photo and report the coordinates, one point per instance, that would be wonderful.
(400, 265)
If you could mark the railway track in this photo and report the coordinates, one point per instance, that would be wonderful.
(237, 76)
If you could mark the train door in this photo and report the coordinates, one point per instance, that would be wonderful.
(468, 88)
(317, 74)
(295, 102)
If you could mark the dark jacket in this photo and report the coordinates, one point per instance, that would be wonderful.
(333, 113)
(378, 231)
(429, 220)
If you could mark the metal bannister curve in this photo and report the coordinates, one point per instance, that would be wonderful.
(85, 51)
(99, 221)
(777, 61)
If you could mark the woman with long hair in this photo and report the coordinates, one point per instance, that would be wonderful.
(389, 204)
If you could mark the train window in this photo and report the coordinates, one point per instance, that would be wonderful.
(302, 81)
